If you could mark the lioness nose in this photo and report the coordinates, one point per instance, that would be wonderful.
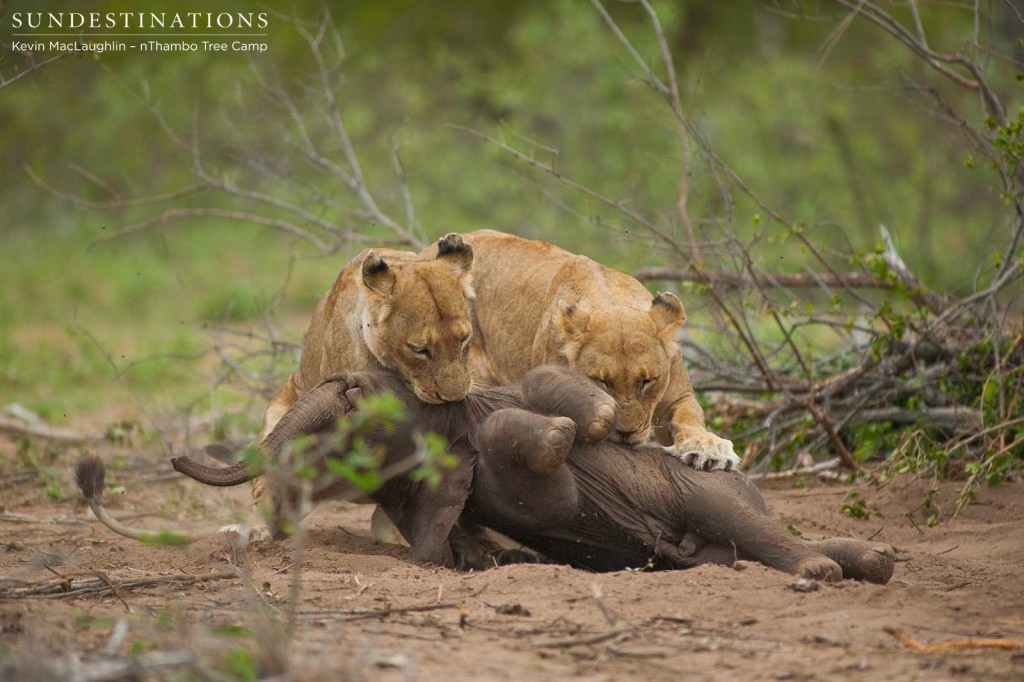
(624, 434)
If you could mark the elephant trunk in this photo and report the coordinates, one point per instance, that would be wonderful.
(317, 410)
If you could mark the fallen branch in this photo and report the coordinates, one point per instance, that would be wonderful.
(802, 471)
(578, 641)
(959, 417)
(360, 614)
(61, 588)
(71, 667)
(21, 429)
(14, 517)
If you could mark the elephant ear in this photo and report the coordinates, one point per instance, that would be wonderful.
(668, 313)
(376, 275)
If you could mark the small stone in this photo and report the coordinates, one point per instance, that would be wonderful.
(805, 585)
(512, 610)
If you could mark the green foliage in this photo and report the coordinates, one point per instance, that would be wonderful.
(238, 663)
(874, 440)
(165, 619)
(83, 621)
(231, 631)
(933, 512)
(1009, 139)
(139, 647)
(855, 507)
(119, 432)
(433, 449)
(167, 538)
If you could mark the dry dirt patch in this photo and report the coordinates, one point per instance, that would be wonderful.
(367, 610)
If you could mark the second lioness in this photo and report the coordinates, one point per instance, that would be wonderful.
(537, 304)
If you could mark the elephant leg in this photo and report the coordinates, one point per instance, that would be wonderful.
(472, 549)
(520, 473)
(727, 510)
(859, 559)
(561, 391)
(715, 554)
(528, 440)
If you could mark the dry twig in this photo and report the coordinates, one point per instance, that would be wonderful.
(973, 643)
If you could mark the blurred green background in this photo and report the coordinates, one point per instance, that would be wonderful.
(826, 123)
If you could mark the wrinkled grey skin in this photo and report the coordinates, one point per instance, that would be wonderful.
(534, 465)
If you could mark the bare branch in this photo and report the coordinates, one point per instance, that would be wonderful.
(786, 279)
(176, 213)
(32, 68)
(936, 60)
(113, 205)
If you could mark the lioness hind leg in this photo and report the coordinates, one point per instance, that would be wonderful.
(859, 559)
(266, 520)
(282, 402)
(561, 391)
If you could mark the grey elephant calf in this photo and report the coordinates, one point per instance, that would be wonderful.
(533, 465)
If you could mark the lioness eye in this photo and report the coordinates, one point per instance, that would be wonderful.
(646, 383)
(602, 383)
(422, 352)
(464, 342)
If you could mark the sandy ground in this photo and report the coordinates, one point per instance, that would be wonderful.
(365, 610)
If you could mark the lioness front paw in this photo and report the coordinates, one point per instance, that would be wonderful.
(706, 452)
(244, 533)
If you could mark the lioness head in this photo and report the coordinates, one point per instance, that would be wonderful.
(629, 354)
(416, 318)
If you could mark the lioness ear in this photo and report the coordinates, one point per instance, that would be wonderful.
(456, 253)
(377, 276)
(574, 320)
(667, 312)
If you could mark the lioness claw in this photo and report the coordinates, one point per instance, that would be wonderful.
(706, 453)
(244, 533)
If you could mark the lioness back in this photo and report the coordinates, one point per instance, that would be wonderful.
(518, 286)
(538, 304)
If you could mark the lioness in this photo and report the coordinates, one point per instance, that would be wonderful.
(390, 309)
(537, 304)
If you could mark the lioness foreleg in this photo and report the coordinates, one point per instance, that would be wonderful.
(679, 422)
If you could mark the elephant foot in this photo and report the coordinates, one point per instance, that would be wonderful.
(561, 391)
(507, 557)
(690, 543)
(600, 427)
(859, 559)
(552, 446)
(820, 568)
